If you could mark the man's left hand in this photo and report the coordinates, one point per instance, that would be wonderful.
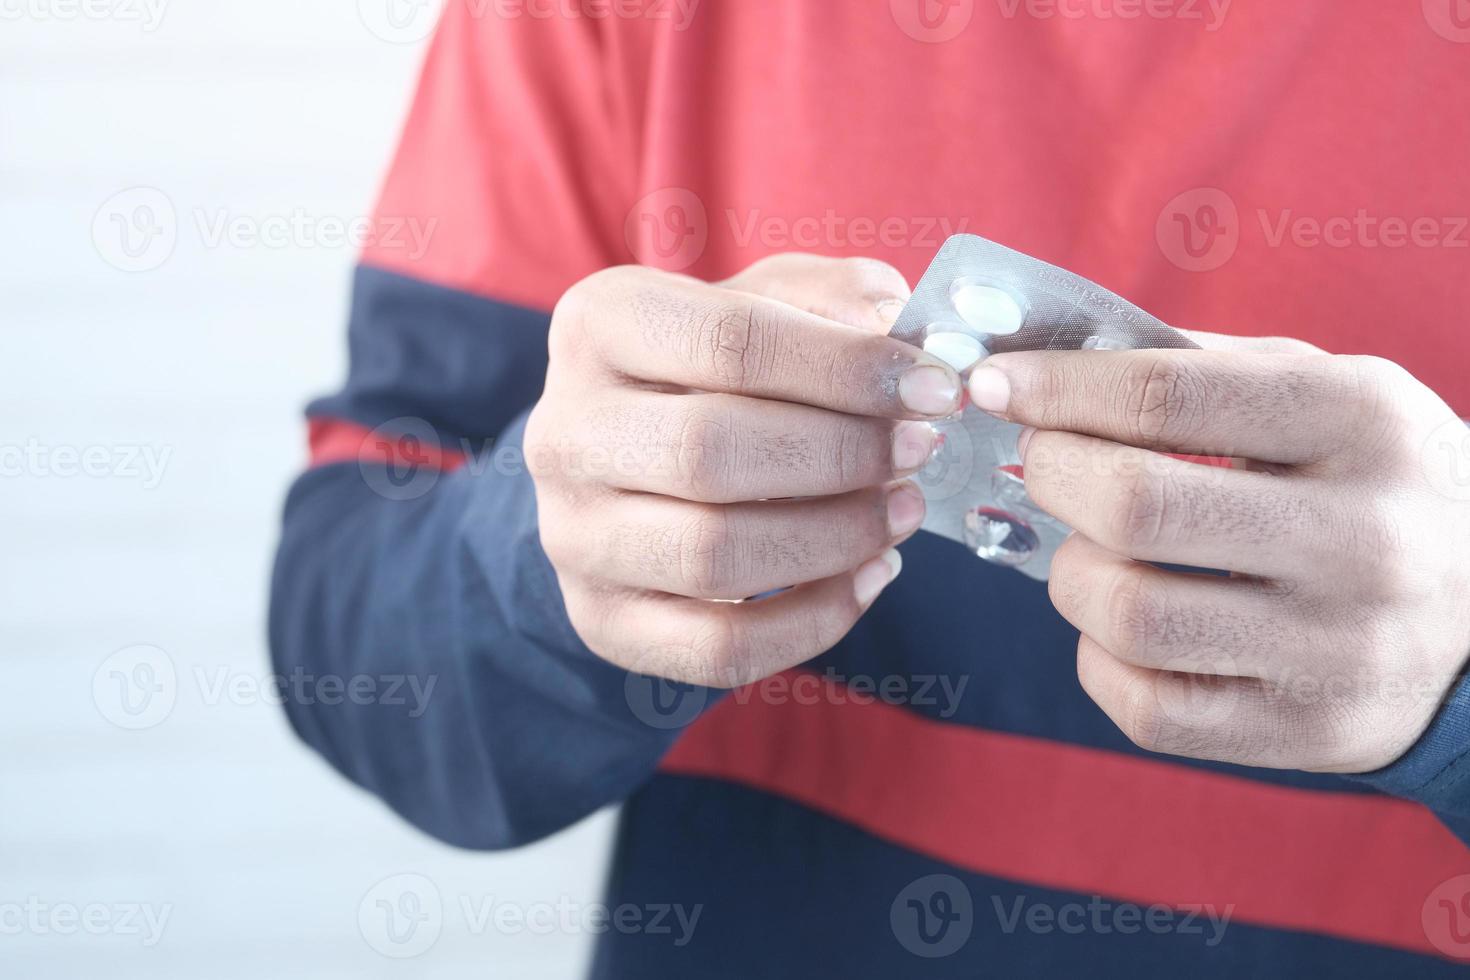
(1346, 620)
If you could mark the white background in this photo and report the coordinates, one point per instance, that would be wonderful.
(260, 854)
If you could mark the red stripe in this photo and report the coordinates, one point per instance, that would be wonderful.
(1088, 820)
(336, 441)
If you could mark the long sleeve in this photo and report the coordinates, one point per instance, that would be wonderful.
(1436, 770)
(414, 617)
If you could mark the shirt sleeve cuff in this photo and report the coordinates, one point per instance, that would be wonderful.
(1436, 770)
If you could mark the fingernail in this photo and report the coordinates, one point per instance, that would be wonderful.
(875, 576)
(913, 444)
(928, 390)
(990, 390)
(1023, 440)
(888, 311)
(905, 510)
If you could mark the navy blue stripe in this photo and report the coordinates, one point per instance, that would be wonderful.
(465, 364)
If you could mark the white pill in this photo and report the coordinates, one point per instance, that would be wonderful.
(959, 350)
(988, 309)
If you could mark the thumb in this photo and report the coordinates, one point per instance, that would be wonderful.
(1257, 345)
(859, 292)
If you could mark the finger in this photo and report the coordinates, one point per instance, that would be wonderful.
(1201, 716)
(1279, 408)
(1162, 620)
(677, 331)
(730, 552)
(861, 292)
(727, 448)
(725, 645)
(1257, 345)
(1153, 508)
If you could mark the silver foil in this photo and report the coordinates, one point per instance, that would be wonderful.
(973, 485)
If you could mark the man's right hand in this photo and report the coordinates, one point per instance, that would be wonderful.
(698, 442)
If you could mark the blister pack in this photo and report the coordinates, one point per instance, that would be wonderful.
(979, 298)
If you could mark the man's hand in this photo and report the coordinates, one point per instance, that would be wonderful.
(699, 442)
(1348, 617)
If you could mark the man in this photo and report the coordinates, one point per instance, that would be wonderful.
(1256, 774)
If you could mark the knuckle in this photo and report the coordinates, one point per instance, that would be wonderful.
(1378, 372)
(1055, 402)
(536, 442)
(1391, 581)
(570, 323)
(1290, 345)
(854, 455)
(587, 611)
(1384, 412)
(705, 547)
(1054, 469)
(873, 279)
(1364, 736)
(716, 653)
(1139, 514)
(559, 550)
(777, 266)
(1164, 400)
(1379, 651)
(1380, 533)
(1129, 700)
(729, 344)
(829, 624)
(1139, 716)
(575, 308)
(766, 275)
(1066, 588)
(705, 454)
(1135, 617)
(556, 543)
(575, 319)
(578, 300)
(537, 425)
(1311, 733)
(1374, 532)
(846, 367)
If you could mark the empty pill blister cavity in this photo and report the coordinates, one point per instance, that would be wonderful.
(986, 308)
(999, 536)
(1105, 343)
